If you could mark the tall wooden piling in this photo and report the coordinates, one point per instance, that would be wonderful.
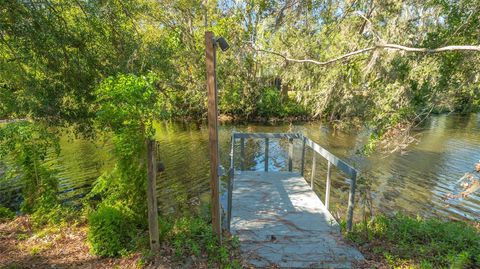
(152, 197)
(210, 51)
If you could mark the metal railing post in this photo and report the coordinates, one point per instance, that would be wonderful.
(302, 168)
(351, 202)
(290, 154)
(242, 154)
(314, 168)
(266, 154)
(231, 173)
(328, 185)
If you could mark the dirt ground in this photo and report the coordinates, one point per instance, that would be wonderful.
(58, 247)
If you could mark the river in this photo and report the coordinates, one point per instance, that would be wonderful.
(415, 182)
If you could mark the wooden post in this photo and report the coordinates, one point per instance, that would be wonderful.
(242, 154)
(290, 154)
(314, 168)
(329, 184)
(152, 197)
(302, 168)
(266, 154)
(210, 51)
(351, 202)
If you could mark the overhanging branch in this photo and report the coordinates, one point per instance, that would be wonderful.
(379, 46)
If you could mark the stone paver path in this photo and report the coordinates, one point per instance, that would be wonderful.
(281, 222)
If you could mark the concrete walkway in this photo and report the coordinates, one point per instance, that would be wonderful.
(281, 222)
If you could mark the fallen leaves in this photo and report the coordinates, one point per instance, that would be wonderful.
(53, 247)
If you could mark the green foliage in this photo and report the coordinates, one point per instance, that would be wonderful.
(111, 231)
(194, 236)
(54, 214)
(6, 214)
(422, 242)
(125, 106)
(55, 53)
(25, 145)
(125, 102)
(271, 104)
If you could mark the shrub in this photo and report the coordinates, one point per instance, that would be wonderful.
(270, 104)
(111, 231)
(6, 214)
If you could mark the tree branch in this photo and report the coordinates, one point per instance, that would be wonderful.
(379, 46)
(426, 50)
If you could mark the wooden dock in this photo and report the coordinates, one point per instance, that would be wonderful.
(278, 218)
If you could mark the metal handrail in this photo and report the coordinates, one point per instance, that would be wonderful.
(317, 149)
(342, 166)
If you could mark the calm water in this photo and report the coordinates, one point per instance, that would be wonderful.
(415, 182)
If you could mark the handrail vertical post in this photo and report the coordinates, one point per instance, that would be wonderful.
(266, 154)
(351, 202)
(242, 154)
(302, 168)
(328, 185)
(229, 197)
(231, 174)
(290, 154)
(314, 168)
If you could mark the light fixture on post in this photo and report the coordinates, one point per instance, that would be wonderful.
(223, 44)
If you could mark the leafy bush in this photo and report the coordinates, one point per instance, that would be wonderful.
(270, 103)
(421, 242)
(111, 231)
(6, 214)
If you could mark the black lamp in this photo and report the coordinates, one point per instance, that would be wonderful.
(223, 43)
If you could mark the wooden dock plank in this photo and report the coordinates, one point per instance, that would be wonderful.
(281, 221)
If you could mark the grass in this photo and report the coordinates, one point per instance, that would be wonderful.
(402, 241)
